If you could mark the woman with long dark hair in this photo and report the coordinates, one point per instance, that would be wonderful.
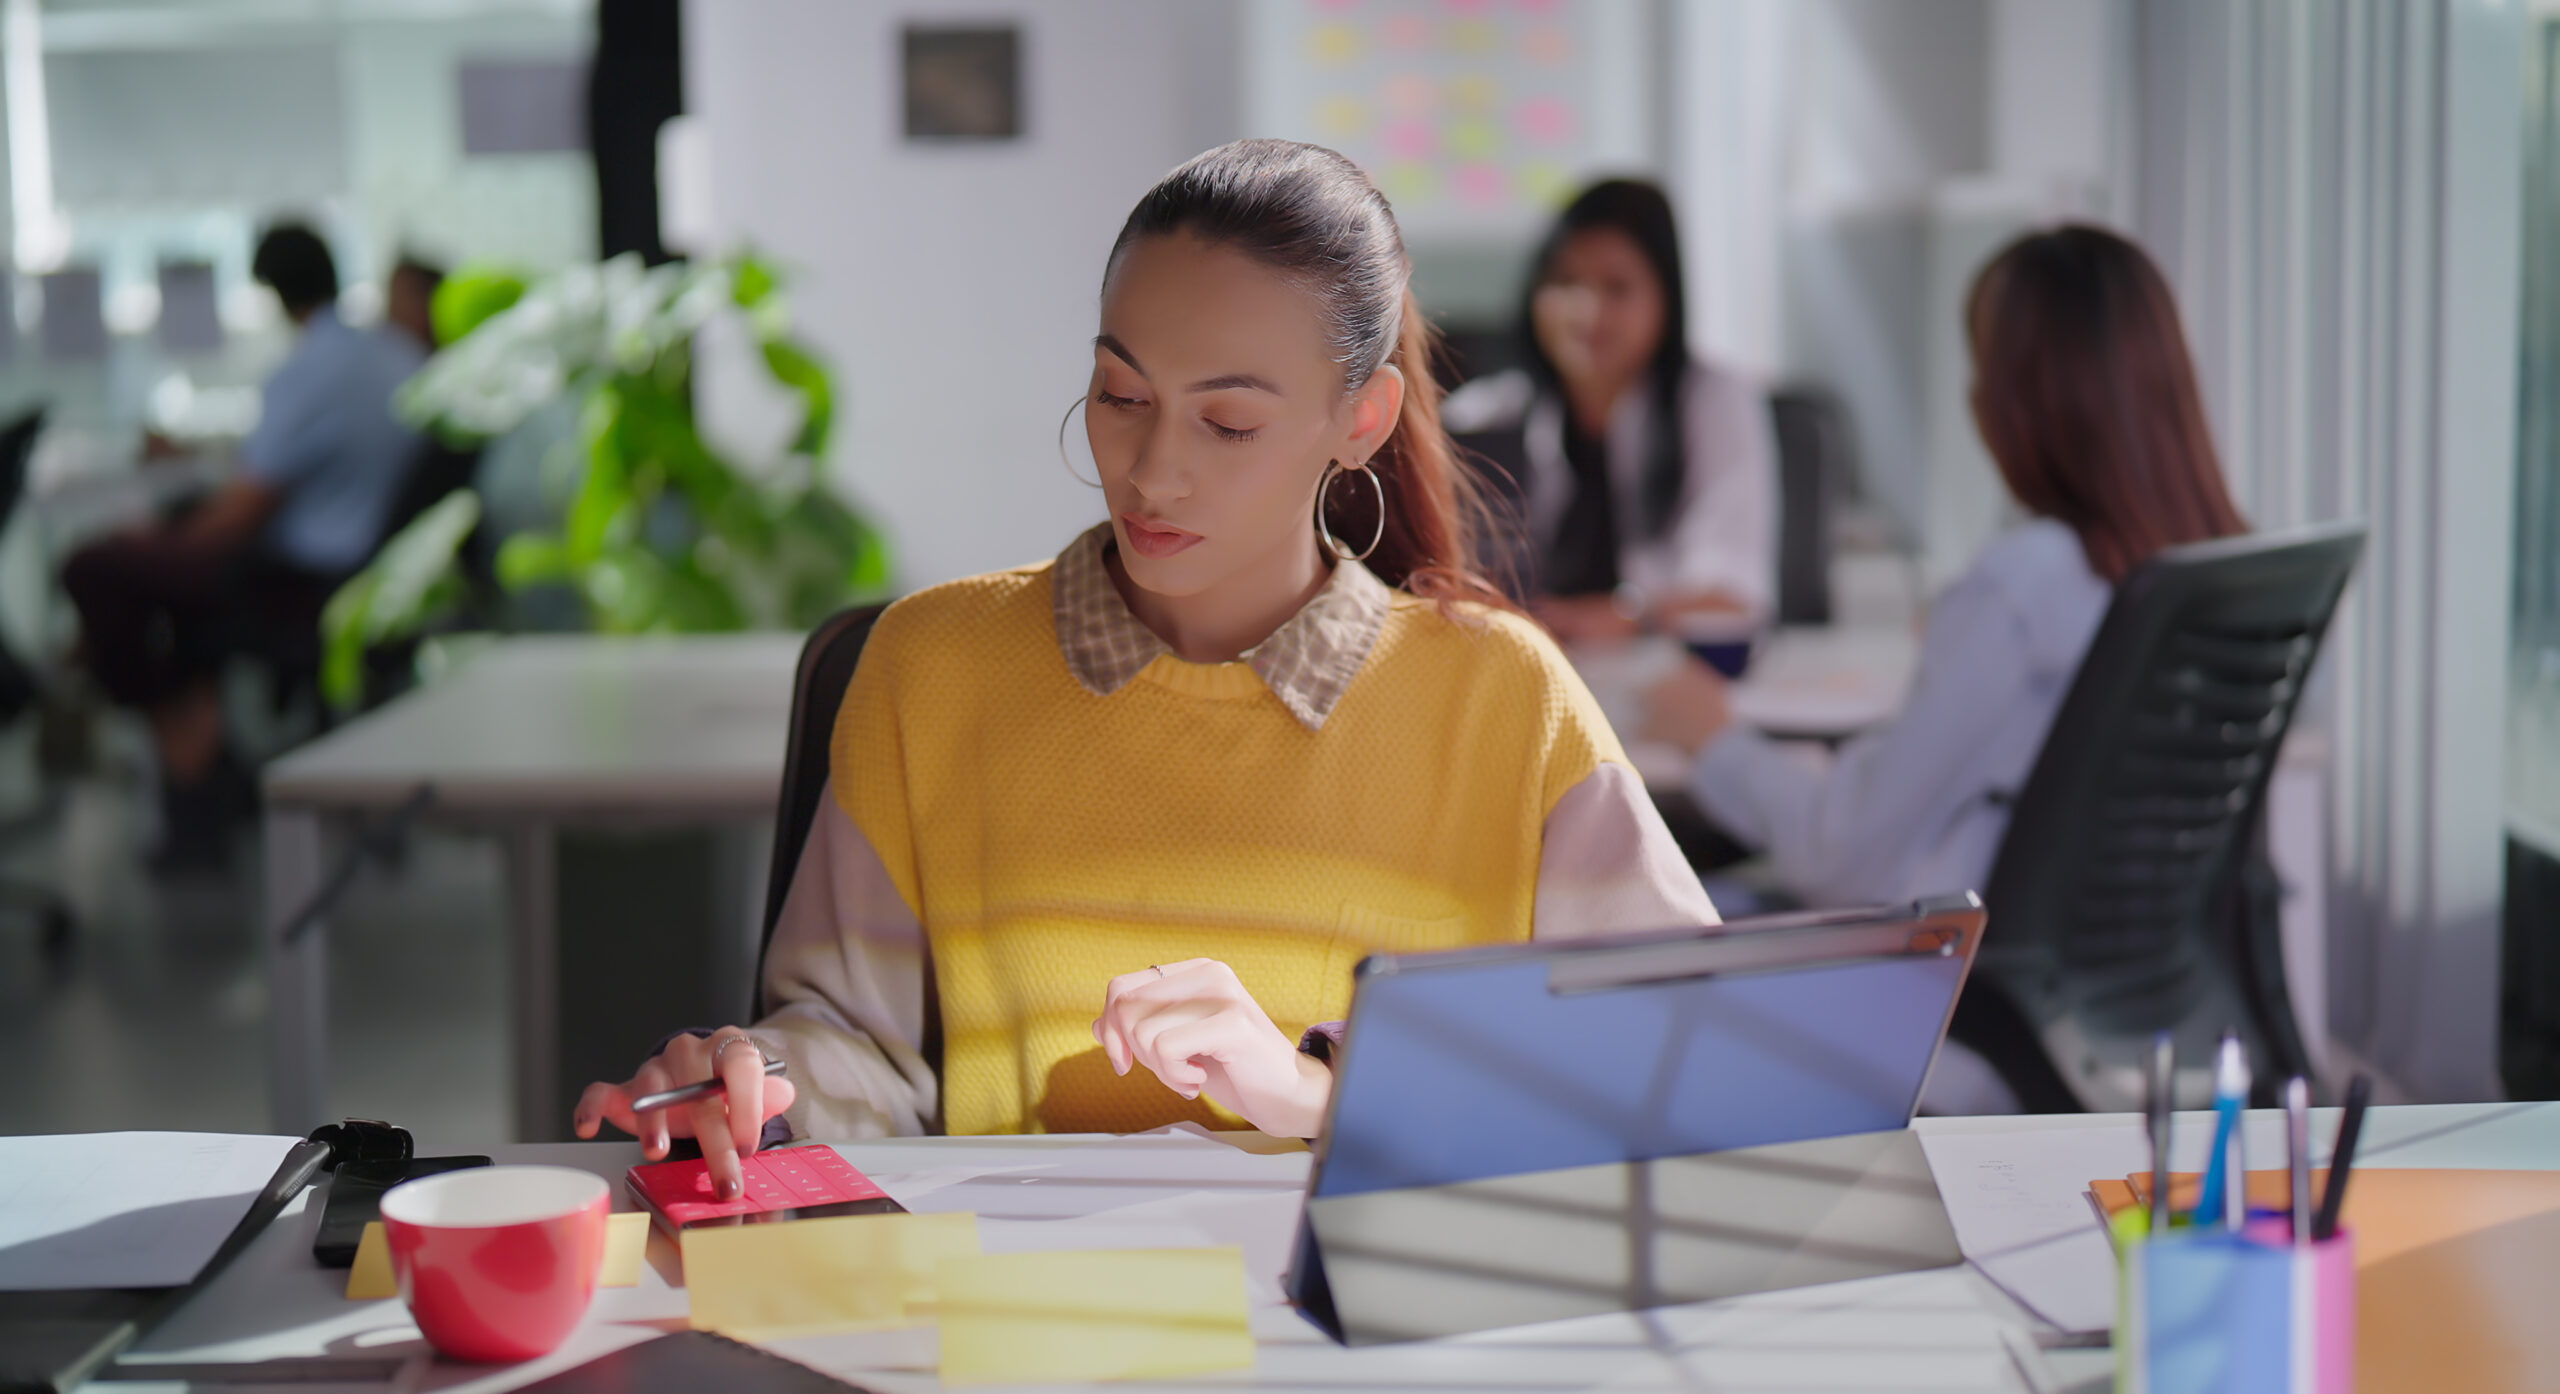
(1265, 720)
(2085, 395)
(1646, 477)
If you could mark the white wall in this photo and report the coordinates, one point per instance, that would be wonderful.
(2055, 98)
(952, 287)
(410, 185)
(1886, 105)
(1725, 165)
(1842, 167)
(2060, 97)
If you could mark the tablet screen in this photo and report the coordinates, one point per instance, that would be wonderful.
(1488, 1069)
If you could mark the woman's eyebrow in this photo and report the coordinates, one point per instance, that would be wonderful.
(1120, 351)
(1229, 380)
(1221, 383)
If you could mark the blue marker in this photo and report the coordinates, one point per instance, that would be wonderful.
(2226, 1184)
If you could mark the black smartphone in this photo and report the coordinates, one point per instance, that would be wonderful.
(355, 1200)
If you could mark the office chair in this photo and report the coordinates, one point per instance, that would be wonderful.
(1816, 460)
(2127, 897)
(290, 655)
(19, 692)
(817, 690)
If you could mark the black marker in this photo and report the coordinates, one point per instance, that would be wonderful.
(2342, 1157)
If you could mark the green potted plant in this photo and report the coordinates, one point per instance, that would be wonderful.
(663, 533)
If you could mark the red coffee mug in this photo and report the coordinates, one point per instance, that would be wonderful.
(498, 1263)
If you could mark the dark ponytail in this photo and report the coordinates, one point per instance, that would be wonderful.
(1309, 212)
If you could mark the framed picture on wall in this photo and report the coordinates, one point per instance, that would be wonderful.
(962, 83)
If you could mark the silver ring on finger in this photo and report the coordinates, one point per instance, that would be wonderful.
(1159, 969)
(742, 1038)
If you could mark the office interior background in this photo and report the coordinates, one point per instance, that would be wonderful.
(2358, 202)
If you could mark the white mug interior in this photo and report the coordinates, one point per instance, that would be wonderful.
(486, 1197)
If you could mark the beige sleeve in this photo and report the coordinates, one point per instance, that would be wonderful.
(845, 976)
(1608, 864)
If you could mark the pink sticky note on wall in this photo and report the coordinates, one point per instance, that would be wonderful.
(1409, 140)
(1482, 185)
(1545, 120)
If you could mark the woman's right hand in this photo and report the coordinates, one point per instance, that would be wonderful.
(727, 1125)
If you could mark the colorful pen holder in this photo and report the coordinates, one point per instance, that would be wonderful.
(2205, 1311)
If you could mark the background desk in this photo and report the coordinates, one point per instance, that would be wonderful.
(1937, 1330)
(1816, 684)
(532, 735)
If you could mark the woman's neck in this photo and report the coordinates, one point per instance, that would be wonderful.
(1219, 624)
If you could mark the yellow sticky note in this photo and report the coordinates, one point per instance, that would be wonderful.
(626, 1239)
(844, 1273)
(370, 1280)
(1093, 1315)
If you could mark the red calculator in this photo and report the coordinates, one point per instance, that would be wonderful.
(788, 1183)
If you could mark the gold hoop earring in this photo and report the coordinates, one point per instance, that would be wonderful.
(1063, 461)
(1333, 470)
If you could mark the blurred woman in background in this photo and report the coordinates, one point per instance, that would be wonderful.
(1647, 479)
(2084, 394)
(2086, 398)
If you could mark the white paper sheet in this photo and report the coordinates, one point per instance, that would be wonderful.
(2019, 1201)
(91, 1210)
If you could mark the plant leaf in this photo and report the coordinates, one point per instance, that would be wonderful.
(797, 369)
(409, 585)
(754, 280)
(532, 559)
(604, 507)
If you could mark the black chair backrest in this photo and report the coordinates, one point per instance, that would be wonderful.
(827, 662)
(2153, 777)
(1814, 465)
(18, 686)
(17, 450)
(434, 472)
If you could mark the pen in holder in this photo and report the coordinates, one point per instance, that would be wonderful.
(2205, 1311)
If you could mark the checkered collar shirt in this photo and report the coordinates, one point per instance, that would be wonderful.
(1308, 662)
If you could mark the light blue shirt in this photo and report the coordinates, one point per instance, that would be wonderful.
(1919, 807)
(327, 442)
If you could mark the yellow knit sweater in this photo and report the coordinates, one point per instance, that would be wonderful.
(1049, 839)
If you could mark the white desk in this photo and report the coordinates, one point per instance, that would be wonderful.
(1807, 683)
(535, 733)
(1939, 1330)
(1924, 1331)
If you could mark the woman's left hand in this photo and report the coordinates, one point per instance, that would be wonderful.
(1689, 708)
(1194, 1024)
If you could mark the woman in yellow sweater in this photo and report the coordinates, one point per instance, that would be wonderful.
(1106, 835)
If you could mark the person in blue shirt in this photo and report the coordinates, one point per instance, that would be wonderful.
(163, 606)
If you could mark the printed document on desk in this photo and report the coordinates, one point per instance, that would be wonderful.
(2019, 1200)
(124, 1210)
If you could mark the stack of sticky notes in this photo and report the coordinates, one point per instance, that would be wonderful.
(1047, 1317)
(1093, 1315)
(849, 1273)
